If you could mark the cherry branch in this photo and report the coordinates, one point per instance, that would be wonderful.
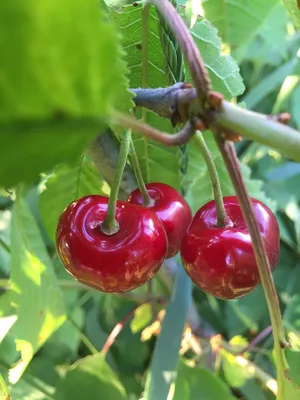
(177, 103)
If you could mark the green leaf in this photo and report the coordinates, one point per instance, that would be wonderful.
(68, 183)
(38, 149)
(158, 162)
(237, 22)
(199, 383)
(90, 378)
(245, 313)
(223, 70)
(64, 343)
(142, 317)
(289, 391)
(58, 85)
(93, 328)
(163, 368)
(34, 288)
(291, 319)
(293, 359)
(293, 8)
(200, 191)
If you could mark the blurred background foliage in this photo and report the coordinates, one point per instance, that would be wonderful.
(211, 363)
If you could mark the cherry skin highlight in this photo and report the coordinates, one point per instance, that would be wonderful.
(172, 210)
(221, 261)
(111, 263)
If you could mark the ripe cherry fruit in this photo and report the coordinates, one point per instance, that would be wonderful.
(172, 210)
(221, 261)
(111, 263)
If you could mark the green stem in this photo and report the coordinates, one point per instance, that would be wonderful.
(110, 225)
(139, 177)
(222, 217)
(266, 277)
(104, 152)
(88, 344)
(259, 128)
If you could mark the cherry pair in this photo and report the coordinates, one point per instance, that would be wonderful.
(219, 260)
(128, 258)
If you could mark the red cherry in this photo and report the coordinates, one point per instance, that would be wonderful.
(221, 261)
(111, 263)
(172, 210)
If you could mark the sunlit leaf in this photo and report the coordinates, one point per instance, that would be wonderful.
(35, 293)
(237, 21)
(142, 317)
(223, 70)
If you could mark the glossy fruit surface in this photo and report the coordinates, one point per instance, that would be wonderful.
(115, 263)
(172, 210)
(221, 261)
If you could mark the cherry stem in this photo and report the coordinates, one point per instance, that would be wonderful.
(120, 325)
(222, 217)
(233, 167)
(110, 225)
(147, 201)
(167, 139)
(261, 336)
